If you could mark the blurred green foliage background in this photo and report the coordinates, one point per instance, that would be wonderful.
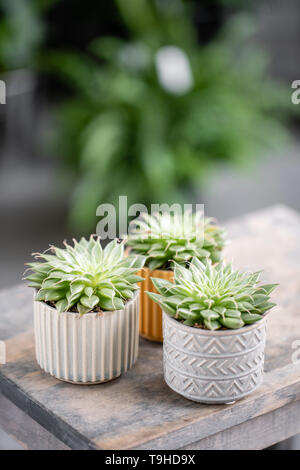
(22, 30)
(124, 127)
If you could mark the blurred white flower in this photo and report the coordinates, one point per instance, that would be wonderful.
(174, 70)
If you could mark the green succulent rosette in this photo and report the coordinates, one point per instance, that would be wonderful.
(164, 238)
(213, 297)
(85, 276)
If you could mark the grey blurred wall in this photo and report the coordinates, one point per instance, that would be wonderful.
(279, 33)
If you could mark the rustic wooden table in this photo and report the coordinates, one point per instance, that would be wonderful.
(138, 410)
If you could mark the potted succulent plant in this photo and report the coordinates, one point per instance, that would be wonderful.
(163, 239)
(214, 324)
(86, 310)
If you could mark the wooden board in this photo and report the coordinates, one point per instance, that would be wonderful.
(138, 410)
(27, 433)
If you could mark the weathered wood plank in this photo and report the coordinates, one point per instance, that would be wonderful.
(255, 434)
(280, 387)
(28, 433)
(138, 410)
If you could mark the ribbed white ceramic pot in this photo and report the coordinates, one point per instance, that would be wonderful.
(93, 348)
(213, 366)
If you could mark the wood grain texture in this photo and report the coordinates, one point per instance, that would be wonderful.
(138, 410)
(257, 433)
(29, 434)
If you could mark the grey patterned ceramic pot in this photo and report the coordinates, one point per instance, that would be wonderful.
(213, 366)
(93, 348)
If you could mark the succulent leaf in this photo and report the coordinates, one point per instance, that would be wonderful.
(165, 237)
(213, 297)
(62, 305)
(161, 285)
(85, 276)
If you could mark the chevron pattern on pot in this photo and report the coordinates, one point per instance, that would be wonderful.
(215, 346)
(212, 391)
(213, 367)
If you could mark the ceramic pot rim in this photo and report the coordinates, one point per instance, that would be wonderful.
(127, 252)
(93, 314)
(227, 332)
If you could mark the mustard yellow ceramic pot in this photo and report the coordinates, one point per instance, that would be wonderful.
(150, 318)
